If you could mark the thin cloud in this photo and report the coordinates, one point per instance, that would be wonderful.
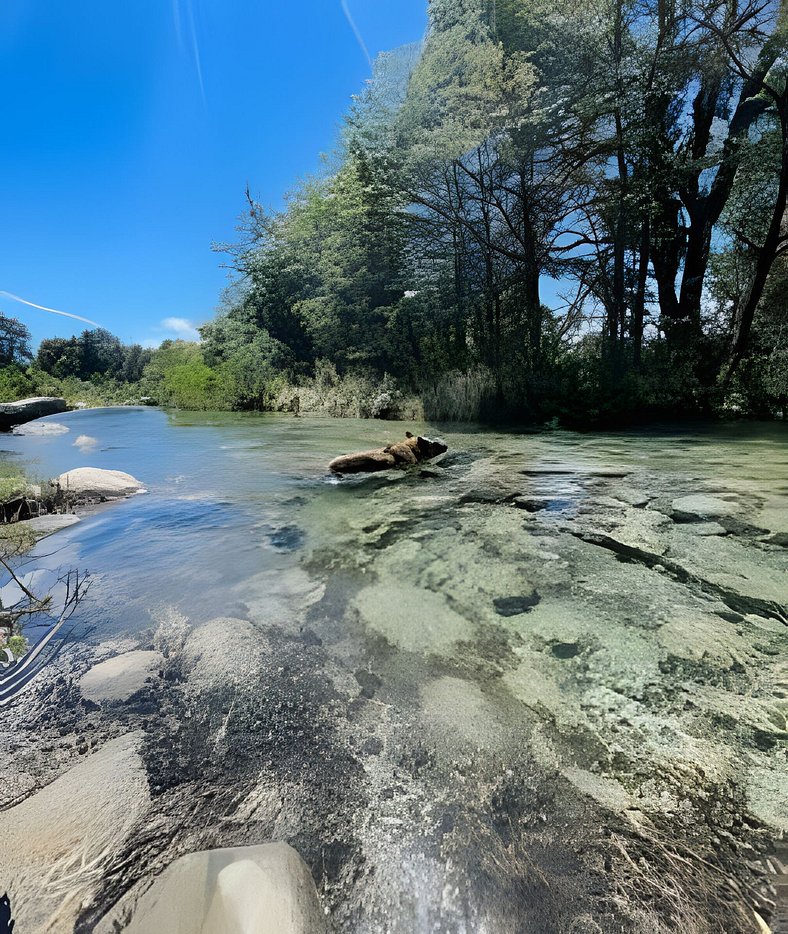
(172, 328)
(178, 326)
(356, 32)
(176, 18)
(53, 311)
(184, 15)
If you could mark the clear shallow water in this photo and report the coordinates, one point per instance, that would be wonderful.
(215, 496)
(226, 492)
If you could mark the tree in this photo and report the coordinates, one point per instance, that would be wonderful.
(101, 353)
(135, 358)
(624, 149)
(14, 342)
(51, 350)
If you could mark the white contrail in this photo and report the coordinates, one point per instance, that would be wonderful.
(356, 32)
(54, 311)
(196, 50)
(176, 18)
(188, 17)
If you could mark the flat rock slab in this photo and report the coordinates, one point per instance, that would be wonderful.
(265, 889)
(46, 525)
(118, 678)
(703, 506)
(413, 619)
(95, 483)
(26, 410)
(707, 529)
(632, 497)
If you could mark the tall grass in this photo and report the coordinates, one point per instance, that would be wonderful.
(349, 396)
(459, 397)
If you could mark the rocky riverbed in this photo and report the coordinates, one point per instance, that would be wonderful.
(520, 690)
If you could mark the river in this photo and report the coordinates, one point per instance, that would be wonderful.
(539, 686)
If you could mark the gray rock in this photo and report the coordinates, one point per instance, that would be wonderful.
(701, 506)
(632, 497)
(708, 528)
(266, 889)
(41, 427)
(26, 410)
(118, 678)
(47, 525)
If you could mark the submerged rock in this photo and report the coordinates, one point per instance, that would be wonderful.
(26, 410)
(514, 606)
(95, 483)
(266, 889)
(42, 428)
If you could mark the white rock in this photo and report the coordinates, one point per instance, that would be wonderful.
(118, 678)
(85, 442)
(265, 889)
(69, 833)
(97, 483)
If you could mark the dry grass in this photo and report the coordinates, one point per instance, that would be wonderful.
(351, 396)
(666, 886)
(459, 397)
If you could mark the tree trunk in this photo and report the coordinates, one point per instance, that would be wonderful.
(745, 312)
(639, 303)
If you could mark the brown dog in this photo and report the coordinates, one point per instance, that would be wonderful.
(412, 450)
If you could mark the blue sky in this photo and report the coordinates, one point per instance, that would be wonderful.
(131, 130)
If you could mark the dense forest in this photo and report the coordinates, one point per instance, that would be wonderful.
(545, 210)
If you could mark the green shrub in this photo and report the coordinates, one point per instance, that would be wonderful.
(15, 383)
(17, 644)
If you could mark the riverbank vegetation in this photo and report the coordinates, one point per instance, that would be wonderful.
(552, 210)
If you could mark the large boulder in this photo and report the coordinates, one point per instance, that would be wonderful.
(26, 410)
(93, 483)
(265, 889)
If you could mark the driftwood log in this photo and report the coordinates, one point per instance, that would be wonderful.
(413, 450)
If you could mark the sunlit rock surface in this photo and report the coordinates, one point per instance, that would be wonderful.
(263, 889)
(95, 483)
(120, 677)
(58, 843)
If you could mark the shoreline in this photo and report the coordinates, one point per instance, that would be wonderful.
(656, 420)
